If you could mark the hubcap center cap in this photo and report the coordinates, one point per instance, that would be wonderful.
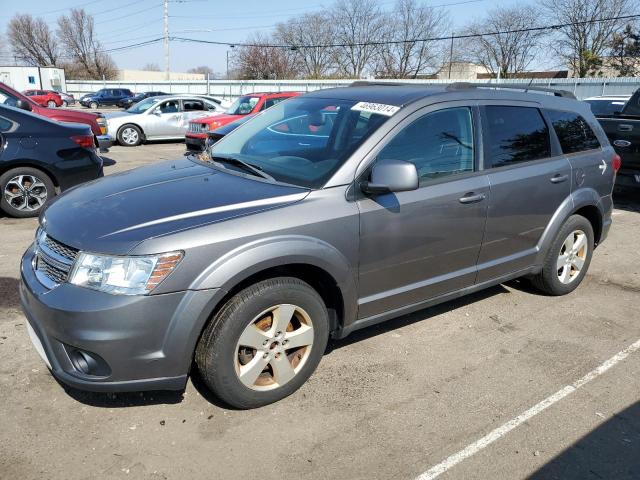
(274, 345)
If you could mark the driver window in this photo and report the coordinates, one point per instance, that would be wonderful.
(170, 106)
(439, 144)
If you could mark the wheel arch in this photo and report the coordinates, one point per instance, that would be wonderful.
(27, 163)
(119, 129)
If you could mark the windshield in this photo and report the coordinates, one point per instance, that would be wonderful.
(606, 107)
(242, 106)
(302, 141)
(144, 105)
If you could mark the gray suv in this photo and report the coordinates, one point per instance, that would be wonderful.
(327, 213)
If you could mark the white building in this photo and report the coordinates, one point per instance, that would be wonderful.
(30, 78)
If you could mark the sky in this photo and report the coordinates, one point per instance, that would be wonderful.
(124, 22)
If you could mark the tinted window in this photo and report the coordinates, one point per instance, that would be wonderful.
(190, 105)
(271, 102)
(170, 106)
(606, 107)
(5, 125)
(515, 134)
(573, 131)
(438, 144)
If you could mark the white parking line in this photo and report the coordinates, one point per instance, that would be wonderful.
(488, 439)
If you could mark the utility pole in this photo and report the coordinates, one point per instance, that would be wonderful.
(166, 39)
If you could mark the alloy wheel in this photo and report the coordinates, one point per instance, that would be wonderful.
(130, 136)
(25, 193)
(274, 347)
(572, 256)
(51, 104)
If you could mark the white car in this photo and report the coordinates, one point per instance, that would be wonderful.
(159, 118)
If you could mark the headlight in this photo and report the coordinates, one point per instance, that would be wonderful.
(123, 275)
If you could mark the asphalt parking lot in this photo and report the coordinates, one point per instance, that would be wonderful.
(505, 383)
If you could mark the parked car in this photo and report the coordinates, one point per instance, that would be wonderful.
(224, 103)
(45, 98)
(128, 101)
(607, 105)
(214, 136)
(196, 135)
(67, 99)
(97, 121)
(623, 130)
(158, 118)
(404, 196)
(106, 96)
(39, 156)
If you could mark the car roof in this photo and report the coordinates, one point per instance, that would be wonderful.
(610, 97)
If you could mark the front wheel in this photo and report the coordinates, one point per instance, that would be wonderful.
(25, 190)
(568, 258)
(129, 136)
(264, 343)
(93, 105)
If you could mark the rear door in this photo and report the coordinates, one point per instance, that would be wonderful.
(529, 179)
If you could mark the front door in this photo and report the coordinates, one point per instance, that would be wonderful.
(421, 244)
(529, 180)
(165, 120)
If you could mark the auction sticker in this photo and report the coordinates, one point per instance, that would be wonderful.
(379, 108)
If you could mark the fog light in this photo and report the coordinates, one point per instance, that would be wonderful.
(88, 363)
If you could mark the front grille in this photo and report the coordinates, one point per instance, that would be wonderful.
(55, 274)
(53, 261)
(61, 249)
(197, 127)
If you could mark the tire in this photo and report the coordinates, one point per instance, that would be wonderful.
(93, 105)
(561, 272)
(65, 104)
(221, 358)
(51, 104)
(129, 135)
(12, 200)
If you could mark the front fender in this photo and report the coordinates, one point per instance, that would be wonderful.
(241, 263)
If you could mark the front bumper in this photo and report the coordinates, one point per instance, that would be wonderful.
(196, 144)
(128, 343)
(105, 142)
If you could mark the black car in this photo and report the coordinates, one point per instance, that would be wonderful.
(39, 158)
(106, 96)
(128, 101)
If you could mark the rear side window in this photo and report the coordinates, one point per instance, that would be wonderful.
(439, 144)
(5, 125)
(190, 105)
(515, 135)
(574, 133)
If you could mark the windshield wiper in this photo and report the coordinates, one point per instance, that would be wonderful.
(257, 171)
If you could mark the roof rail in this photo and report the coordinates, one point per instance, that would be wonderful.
(368, 83)
(525, 88)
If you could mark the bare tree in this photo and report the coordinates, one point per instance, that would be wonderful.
(151, 67)
(406, 22)
(203, 69)
(32, 41)
(77, 36)
(356, 23)
(585, 39)
(505, 53)
(260, 61)
(310, 29)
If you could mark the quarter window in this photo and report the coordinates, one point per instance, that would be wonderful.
(5, 125)
(574, 133)
(515, 135)
(439, 144)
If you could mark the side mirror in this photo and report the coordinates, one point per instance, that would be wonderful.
(391, 176)
(156, 112)
(23, 105)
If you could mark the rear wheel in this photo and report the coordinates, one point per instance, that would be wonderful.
(51, 104)
(129, 136)
(65, 103)
(568, 258)
(25, 190)
(264, 343)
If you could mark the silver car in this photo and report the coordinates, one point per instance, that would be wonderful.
(159, 118)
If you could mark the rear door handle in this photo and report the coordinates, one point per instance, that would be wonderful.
(472, 198)
(625, 127)
(559, 178)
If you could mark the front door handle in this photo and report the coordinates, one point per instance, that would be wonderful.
(559, 178)
(472, 198)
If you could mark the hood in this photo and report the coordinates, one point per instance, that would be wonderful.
(221, 119)
(73, 115)
(115, 213)
(110, 115)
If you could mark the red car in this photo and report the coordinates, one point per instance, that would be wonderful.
(96, 121)
(196, 136)
(44, 98)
